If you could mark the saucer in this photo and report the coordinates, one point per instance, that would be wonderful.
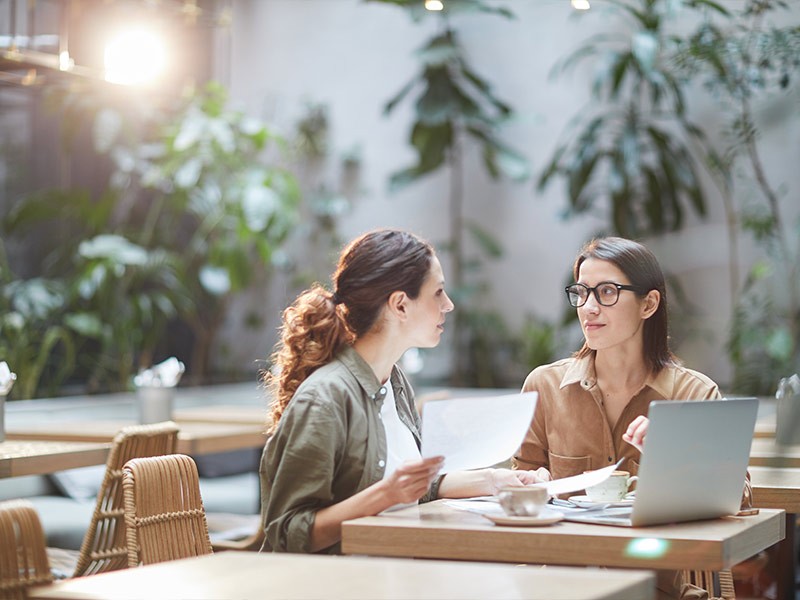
(584, 502)
(546, 517)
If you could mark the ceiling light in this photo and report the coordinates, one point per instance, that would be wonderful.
(581, 4)
(434, 4)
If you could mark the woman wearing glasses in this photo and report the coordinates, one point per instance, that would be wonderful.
(592, 406)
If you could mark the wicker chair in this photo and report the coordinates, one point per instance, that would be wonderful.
(164, 514)
(23, 558)
(104, 546)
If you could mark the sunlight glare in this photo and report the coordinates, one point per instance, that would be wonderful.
(134, 57)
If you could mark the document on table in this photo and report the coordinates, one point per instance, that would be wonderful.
(575, 483)
(472, 433)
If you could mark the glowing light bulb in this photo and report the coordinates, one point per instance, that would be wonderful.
(134, 57)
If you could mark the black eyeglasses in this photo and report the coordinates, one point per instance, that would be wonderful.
(606, 293)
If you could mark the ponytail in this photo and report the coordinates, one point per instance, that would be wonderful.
(312, 332)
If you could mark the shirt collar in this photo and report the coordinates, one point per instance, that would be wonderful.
(582, 371)
(363, 372)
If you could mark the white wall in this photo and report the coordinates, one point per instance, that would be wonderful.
(354, 56)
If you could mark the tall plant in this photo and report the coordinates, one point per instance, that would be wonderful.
(454, 108)
(747, 62)
(630, 153)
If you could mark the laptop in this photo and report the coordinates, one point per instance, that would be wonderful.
(693, 466)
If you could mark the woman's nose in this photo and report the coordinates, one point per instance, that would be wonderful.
(448, 304)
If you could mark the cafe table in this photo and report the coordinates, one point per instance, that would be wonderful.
(438, 530)
(36, 457)
(767, 452)
(194, 438)
(290, 576)
(223, 413)
(780, 488)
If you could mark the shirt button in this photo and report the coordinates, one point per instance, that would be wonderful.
(382, 391)
(381, 463)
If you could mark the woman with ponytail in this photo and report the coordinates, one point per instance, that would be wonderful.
(345, 432)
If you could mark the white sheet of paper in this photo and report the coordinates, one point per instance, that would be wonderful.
(472, 433)
(575, 483)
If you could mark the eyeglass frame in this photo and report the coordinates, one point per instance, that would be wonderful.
(593, 290)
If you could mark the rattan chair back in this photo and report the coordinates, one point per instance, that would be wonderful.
(23, 554)
(164, 511)
(105, 545)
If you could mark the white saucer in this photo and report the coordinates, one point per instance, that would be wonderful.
(546, 517)
(584, 502)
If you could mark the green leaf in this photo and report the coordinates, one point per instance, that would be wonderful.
(491, 247)
(399, 97)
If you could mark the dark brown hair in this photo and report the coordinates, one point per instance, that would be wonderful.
(640, 266)
(320, 322)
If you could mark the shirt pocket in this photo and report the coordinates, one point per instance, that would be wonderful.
(567, 466)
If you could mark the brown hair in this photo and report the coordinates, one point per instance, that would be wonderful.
(319, 322)
(640, 266)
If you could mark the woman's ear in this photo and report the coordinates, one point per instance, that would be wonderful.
(397, 304)
(650, 304)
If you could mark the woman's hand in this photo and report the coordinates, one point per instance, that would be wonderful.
(411, 480)
(501, 478)
(636, 432)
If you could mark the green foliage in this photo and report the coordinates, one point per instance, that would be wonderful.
(453, 107)
(630, 153)
(453, 100)
(32, 340)
(745, 62)
(192, 215)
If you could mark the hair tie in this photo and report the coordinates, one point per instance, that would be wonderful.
(336, 298)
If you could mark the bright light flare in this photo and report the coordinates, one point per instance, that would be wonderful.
(434, 4)
(647, 548)
(581, 4)
(134, 58)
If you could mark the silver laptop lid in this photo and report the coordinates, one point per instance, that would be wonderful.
(694, 460)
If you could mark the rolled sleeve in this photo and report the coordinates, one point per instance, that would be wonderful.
(297, 473)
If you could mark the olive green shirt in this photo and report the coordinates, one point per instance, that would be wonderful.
(570, 432)
(329, 445)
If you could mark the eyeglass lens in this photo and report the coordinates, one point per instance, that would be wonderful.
(606, 294)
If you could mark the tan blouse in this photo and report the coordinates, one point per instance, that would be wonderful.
(570, 433)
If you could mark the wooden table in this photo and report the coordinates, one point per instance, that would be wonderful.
(223, 413)
(266, 576)
(436, 530)
(31, 457)
(765, 452)
(193, 439)
(780, 488)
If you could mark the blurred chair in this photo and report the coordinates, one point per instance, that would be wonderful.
(164, 514)
(104, 546)
(718, 584)
(23, 555)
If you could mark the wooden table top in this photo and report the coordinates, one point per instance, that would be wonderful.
(193, 439)
(436, 530)
(290, 576)
(776, 488)
(35, 457)
(766, 452)
(223, 413)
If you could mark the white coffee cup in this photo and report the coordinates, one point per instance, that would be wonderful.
(527, 501)
(612, 489)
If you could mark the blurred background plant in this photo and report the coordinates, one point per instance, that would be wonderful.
(750, 64)
(191, 215)
(454, 108)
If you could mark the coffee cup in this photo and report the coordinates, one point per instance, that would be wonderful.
(612, 489)
(527, 501)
